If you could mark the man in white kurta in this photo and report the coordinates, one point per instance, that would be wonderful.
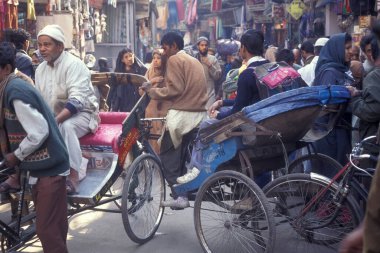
(308, 72)
(65, 83)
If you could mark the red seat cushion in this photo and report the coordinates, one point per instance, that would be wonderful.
(112, 117)
(108, 132)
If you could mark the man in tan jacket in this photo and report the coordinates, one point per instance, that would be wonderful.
(186, 89)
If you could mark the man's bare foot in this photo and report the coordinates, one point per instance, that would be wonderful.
(72, 182)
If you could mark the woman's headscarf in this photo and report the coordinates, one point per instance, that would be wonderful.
(333, 55)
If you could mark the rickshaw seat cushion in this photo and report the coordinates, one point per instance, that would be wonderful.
(109, 130)
(112, 117)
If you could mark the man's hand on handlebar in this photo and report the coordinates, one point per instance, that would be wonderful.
(146, 86)
(11, 160)
(214, 107)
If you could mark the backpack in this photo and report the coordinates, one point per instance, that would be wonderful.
(277, 77)
(230, 84)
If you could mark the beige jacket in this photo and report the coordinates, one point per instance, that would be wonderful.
(185, 84)
(212, 73)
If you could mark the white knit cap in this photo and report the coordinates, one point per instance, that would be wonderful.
(53, 31)
(321, 42)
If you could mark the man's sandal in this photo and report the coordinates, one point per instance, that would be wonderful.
(70, 188)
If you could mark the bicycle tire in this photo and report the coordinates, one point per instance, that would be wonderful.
(320, 163)
(290, 194)
(143, 192)
(242, 228)
(27, 232)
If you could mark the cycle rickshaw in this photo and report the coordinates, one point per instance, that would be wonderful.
(231, 213)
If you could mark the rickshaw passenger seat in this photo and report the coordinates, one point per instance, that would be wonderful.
(110, 128)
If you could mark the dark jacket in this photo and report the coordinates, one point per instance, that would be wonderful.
(247, 91)
(122, 98)
(367, 106)
(23, 63)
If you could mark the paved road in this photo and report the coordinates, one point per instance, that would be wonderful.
(98, 232)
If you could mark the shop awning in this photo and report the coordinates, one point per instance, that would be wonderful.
(321, 3)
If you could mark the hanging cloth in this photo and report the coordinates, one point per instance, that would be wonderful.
(112, 2)
(173, 16)
(11, 15)
(191, 17)
(163, 13)
(31, 12)
(346, 7)
(180, 9)
(216, 5)
(2, 15)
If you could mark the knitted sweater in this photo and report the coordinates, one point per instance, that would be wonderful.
(51, 158)
(185, 84)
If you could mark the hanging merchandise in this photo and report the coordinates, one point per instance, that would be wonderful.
(216, 5)
(85, 9)
(103, 23)
(191, 12)
(31, 12)
(98, 26)
(346, 7)
(144, 32)
(11, 15)
(97, 4)
(2, 15)
(163, 13)
(112, 2)
(181, 10)
(173, 16)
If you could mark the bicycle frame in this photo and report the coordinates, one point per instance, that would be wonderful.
(348, 179)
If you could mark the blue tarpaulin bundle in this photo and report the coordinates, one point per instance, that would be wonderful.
(296, 99)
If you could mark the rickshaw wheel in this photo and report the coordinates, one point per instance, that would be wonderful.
(143, 192)
(232, 214)
(317, 163)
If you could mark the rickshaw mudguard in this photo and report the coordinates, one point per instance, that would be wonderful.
(212, 156)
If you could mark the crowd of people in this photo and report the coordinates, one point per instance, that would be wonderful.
(53, 87)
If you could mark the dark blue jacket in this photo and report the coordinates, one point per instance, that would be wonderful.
(247, 91)
(24, 63)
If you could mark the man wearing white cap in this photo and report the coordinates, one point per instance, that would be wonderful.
(65, 83)
(211, 68)
(308, 72)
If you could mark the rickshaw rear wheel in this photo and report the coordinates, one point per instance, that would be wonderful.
(143, 192)
(232, 214)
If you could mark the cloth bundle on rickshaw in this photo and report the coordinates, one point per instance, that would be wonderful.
(295, 99)
(294, 114)
(290, 115)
